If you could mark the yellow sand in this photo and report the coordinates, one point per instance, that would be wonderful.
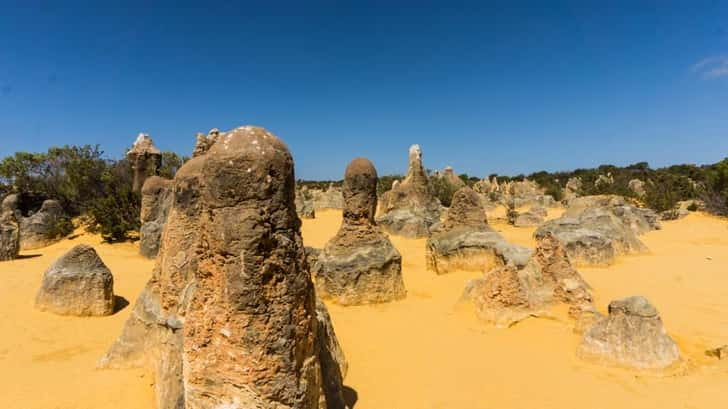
(423, 352)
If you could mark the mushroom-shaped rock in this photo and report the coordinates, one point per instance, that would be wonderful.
(78, 283)
(510, 293)
(409, 209)
(359, 265)
(145, 158)
(9, 230)
(156, 201)
(465, 241)
(632, 336)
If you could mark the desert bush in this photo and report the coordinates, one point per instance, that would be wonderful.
(116, 214)
(443, 190)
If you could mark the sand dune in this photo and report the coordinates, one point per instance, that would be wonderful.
(423, 352)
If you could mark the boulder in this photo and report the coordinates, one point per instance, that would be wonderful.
(533, 217)
(9, 230)
(145, 160)
(510, 293)
(597, 229)
(409, 209)
(229, 318)
(156, 201)
(632, 336)
(464, 241)
(78, 283)
(359, 265)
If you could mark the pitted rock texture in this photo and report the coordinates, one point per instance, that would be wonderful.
(203, 143)
(409, 209)
(145, 159)
(510, 293)
(9, 230)
(465, 241)
(597, 229)
(632, 336)
(229, 316)
(304, 204)
(156, 202)
(533, 217)
(359, 265)
(78, 283)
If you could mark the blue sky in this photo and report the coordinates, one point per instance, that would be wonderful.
(510, 87)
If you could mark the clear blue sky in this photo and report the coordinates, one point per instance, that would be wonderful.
(507, 88)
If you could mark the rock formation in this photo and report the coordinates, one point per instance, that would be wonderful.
(78, 283)
(229, 318)
(331, 198)
(572, 189)
(465, 241)
(510, 293)
(145, 159)
(597, 229)
(533, 217)
(39, 229)
(156, 201)
(204, 143)
(409, 209)
(359, 265)
(9, 230)
(632, 335)
(304, 204)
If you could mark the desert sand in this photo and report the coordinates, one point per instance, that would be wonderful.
(426, 351)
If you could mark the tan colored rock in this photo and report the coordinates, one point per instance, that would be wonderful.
(78, 283)
(9, 230)
(359, 265)
(409, 209)
(145, 160)
(156, 202)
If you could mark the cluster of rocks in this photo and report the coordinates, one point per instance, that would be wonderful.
(145, 160)
(513, 193)
(597, 229)
(359, 265)
(465, 241)
(230, 317)
(78, 283)
(36, 228)
(156, 201)
(409, 209)
(514, 291)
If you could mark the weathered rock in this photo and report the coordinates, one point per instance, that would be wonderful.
(409, 209)
(156, 202)
(533, 217)
(331, 198)
(510, 293)
(632, 335)
(597, 229)
(604, 180)
(145, 159)
(359, 265)
(78, 283)
(304, 204)
(334, 365)
(204, 143)
(572, 189)
(465, 241)
(9, 230)
(229, 316)
(637, 187)
(40, 229)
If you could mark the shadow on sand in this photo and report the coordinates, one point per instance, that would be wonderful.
(120, 303)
